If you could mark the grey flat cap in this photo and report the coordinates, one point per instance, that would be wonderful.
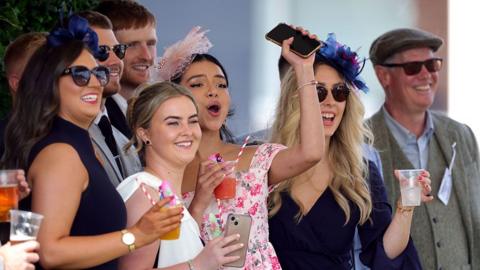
(399, 40)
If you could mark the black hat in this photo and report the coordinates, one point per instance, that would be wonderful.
(399, 40)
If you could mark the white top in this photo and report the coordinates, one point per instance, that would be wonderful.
(188, 245)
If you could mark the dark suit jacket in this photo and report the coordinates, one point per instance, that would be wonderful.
(465, 175)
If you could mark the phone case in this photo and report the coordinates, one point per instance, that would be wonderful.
(302, 45)
(239, 223)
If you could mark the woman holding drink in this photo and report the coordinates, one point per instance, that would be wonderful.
(84, 216)
(257, 168)
(165, 123)
(314, 215)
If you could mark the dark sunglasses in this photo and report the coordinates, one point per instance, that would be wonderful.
(339, 92)
(119, 50)
(81, 74)
(413, 68)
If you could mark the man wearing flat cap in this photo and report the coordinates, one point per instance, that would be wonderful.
(446, 231)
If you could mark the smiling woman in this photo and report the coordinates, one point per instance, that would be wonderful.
(48, 138)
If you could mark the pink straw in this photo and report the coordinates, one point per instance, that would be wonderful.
(241, 150)
(142, 186)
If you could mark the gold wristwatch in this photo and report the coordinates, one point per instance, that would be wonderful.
(128, 239)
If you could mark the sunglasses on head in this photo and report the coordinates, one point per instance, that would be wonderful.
(339, 92)
(413, 68)
(81, 74)
(119, 50)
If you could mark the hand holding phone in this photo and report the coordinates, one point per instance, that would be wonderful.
(302, 45)
(239, 224)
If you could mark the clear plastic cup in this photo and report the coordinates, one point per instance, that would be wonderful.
(410, 188)
(228, 187)
(24, 226)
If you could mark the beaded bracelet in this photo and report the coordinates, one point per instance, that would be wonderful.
(312, 82)
(402, 209)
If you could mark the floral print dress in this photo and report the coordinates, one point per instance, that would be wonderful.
(251, 198)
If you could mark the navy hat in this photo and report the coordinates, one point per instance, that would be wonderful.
(399, 40)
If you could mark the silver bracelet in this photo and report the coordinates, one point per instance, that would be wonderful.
(312, 82)
(190, 265)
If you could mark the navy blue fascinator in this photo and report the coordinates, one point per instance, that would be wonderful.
(344, 60)
(77, 29)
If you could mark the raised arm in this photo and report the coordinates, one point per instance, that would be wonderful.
(302, 156)
(59, 178)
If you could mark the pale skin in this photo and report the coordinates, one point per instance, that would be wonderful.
(174, 136)
(408, 97)
(21, 256)
(308, 188)
(307, 153)
(58, 200)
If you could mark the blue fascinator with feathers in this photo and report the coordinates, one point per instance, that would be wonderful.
(77, 29)
(344, 60)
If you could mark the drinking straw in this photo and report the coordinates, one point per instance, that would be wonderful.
(241, 150)
(142, 186)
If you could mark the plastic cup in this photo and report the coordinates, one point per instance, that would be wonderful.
(227, 188)
(175, 233)
(410, 188)
(8, 193)
(24, 226)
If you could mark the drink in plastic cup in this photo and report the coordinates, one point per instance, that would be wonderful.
(8, 193)
(24, 226)
(175, 233)
(227, 188)
(410, 188)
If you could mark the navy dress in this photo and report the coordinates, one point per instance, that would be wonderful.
(101, 208)
(322, 240)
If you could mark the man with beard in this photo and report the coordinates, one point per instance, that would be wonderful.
(135, 26)
(108, 140)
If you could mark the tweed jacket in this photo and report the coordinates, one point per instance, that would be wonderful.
(465, 173)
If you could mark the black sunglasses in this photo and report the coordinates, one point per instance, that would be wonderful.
(339, 92)
(119, 50)
(81, 74)
(413, 68)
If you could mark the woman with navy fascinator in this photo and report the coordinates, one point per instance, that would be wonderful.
(313, 216)
(84, 216)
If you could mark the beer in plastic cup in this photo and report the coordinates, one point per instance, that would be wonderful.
(410, 188)
(8, 193)
(175, 233)
(24, 226)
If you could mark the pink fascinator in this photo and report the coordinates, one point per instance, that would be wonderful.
(179, 55)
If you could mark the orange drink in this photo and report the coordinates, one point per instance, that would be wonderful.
(8, 193)
(175, 233)
(226, 189)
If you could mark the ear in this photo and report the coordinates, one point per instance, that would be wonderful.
(142, 134)
(13, 81)
(383, 76)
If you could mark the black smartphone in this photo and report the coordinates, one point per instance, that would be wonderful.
(239, 223)
(302, 45)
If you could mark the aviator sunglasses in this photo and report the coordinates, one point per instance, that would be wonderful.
(81, 74)
(339, 92)
(413, 68)
(119, 50)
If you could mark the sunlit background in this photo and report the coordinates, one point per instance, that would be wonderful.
(237, 30)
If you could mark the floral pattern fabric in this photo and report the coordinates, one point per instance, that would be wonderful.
(251, 198)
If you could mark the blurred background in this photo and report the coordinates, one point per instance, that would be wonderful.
(237, 30)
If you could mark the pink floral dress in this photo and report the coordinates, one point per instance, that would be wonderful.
(251, 198)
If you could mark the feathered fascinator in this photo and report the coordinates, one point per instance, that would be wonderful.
(343, 59)
(178, 56)
(77, 29)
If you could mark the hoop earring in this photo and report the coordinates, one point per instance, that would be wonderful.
(148, 142)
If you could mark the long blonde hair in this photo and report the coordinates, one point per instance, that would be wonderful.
(345, 151)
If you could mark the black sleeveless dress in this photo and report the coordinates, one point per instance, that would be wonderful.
(101, 208)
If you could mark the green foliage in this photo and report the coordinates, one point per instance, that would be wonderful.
(23, 16)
